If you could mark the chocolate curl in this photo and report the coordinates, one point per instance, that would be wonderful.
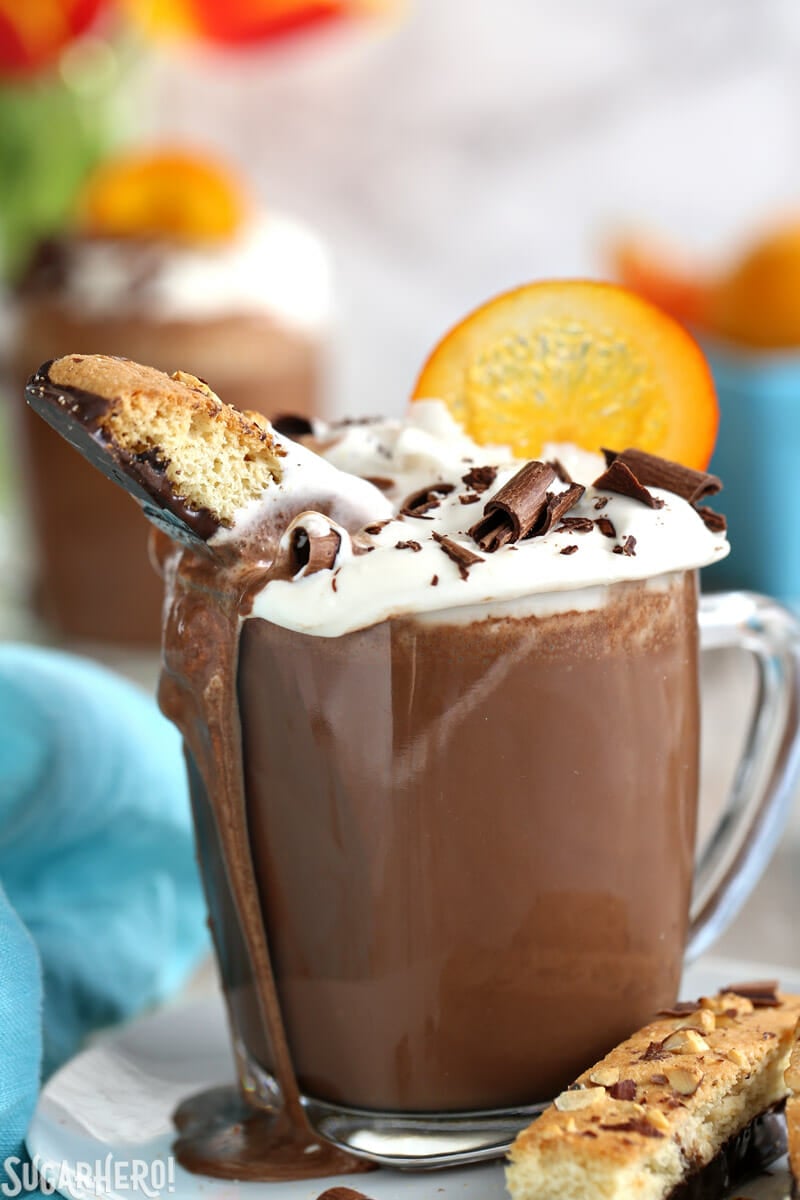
(460, 555)
(619, 478)
(652, 471)
(514, 510)
(713, 521)
(560, 470)
(556, 505)
(310, 551)
(424, 499)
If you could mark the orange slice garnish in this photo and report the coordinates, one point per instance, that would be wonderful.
(170, 194)
(575, 361)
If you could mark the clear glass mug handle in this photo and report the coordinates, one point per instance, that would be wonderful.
(768, 772)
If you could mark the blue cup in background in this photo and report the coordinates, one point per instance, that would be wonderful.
(757, 454)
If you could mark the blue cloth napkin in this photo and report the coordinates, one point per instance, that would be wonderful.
(101, 911)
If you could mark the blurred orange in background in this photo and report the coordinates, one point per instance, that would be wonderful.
(753, 300)
(172, 193)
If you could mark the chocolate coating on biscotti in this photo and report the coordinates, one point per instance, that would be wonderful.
(188, 459)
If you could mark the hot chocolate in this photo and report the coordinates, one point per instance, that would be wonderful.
(420, 938)
(440, 714)
(433, 952)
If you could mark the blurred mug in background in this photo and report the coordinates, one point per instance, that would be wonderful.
(168, 262)
(747, 318)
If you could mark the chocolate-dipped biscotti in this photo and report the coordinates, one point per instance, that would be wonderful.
(197, 466)
(172, 437)
(682, 1109)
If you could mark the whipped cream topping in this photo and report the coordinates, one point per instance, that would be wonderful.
(308, 481)
(275, 265)
(373, 578)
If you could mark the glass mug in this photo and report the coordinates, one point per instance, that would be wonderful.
(473, 836)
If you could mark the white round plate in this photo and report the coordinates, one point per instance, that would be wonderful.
(110, 1109)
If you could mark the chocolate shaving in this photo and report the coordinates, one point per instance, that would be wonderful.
(435, 581)
(618, 477)
(292, 425)
(762, 993)
(382, 482)
(556, 504)
(606, 527)
(652, 471)
(628, 547)
(415, 546)
(713, 521)
(313, 552)
(460, 555)
(515, 509)
(624, 1090)
(468, 497)
(576, 525)
(560, 470)
(568, 550)
(635, 1125)
(601, 502)
(424, 499)
(480, 478)
(376, 527)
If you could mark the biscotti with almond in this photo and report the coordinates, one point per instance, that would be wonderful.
(663, 1105)
(186, 450)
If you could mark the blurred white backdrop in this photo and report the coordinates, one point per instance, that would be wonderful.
(479, 143)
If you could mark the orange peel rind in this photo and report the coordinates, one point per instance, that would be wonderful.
(575, 361)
